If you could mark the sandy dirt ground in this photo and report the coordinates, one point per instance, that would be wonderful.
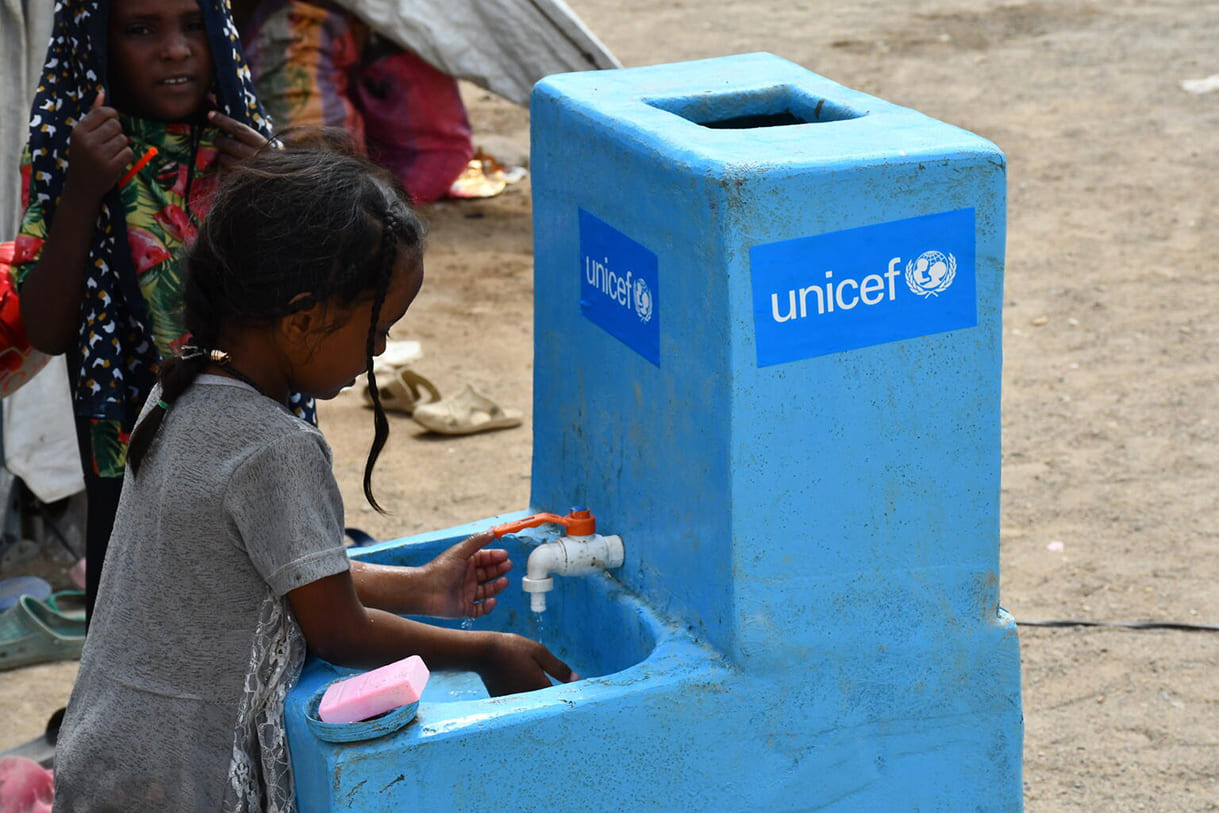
(1111, 376)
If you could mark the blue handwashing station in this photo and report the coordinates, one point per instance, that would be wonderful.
(767, 357)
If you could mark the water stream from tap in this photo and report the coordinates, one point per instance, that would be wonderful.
(537, 627)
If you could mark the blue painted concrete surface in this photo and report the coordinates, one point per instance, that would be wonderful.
(808, 616)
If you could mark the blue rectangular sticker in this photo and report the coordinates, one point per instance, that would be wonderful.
(619, 286)
(813, 296)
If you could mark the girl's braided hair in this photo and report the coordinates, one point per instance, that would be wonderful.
(317, 221)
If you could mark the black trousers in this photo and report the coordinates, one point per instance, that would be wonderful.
(102, 495)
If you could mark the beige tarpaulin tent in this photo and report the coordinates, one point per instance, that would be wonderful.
(25, 29)
(504, 46)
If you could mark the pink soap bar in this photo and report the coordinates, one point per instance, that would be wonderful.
(362, 696)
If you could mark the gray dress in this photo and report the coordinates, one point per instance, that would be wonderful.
(193, 646)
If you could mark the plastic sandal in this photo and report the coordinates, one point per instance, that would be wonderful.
(475, 183)
(68, 603)
(15, 588)
(465, 413)
(485, 177)
(31, 632)
(397, 353)
(401, 390)
(496, 169)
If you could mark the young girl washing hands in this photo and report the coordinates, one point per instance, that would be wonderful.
(227, 558)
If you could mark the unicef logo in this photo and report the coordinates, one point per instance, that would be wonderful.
(931, 273)
(643, 300)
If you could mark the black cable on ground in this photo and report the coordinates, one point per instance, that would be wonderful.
(1137, 625)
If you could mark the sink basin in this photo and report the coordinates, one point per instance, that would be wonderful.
(591, 623)
(631, 662)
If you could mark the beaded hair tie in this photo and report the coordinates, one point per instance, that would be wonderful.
(190, 352)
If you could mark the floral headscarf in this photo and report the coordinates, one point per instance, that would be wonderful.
(117, 355)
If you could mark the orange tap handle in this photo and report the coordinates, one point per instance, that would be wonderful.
(580, 522)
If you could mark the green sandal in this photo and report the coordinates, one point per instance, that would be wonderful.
(68, 603)
(31, 632)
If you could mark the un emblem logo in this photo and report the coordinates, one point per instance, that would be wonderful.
(931, 273)
(643, 300)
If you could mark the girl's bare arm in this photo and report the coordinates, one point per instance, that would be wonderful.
(340, 629)
(462, 582)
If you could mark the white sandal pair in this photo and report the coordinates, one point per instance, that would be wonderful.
(465, 413)
(401, 390)
(405, 391)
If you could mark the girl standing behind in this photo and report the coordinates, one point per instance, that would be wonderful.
(121, 162)
(227, 555)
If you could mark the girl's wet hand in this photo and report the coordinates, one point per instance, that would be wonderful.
(98, 151)
(466, 578)
(237, 141)
(516, 664)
